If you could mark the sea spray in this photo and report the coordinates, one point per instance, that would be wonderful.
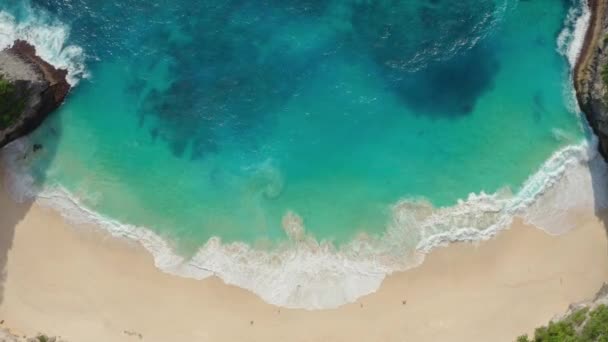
(50, 38)
(570, 40)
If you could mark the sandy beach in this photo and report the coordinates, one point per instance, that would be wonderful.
(80, 284)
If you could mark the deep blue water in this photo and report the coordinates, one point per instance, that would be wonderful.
(216, 118)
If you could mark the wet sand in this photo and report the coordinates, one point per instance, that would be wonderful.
(81, 284)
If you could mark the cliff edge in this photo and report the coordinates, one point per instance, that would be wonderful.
(591, 73)
(30, 89)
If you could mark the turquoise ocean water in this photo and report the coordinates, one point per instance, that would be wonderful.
(201, 119)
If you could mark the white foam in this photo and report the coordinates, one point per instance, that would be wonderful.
(570, 42)
(572, 37)
(583, 188)
(50, 39)
(305, 273)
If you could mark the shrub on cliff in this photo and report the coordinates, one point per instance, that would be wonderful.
(605, 75)
(11, 104)
(580, 326)
(5, 86)
(596, 328)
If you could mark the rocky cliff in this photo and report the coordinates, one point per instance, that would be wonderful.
(30, 89)
(591, 73)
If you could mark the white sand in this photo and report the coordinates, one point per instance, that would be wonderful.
(79, 283)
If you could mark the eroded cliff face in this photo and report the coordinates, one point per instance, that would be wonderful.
(30, 89)
(591, 74)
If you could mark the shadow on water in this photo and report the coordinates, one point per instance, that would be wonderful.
(42, 148)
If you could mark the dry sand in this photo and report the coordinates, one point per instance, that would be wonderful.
(83, 285)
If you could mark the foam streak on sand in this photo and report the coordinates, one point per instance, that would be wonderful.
(305, 273)
(313, 275)
(83, 290)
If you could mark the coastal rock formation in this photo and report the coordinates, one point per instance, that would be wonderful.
(30, 89)
(591, 73)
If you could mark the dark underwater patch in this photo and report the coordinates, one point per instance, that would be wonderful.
(228, 83)
(427, 53)
(230, 76)
(450, 88)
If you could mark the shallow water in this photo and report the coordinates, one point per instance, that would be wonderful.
(218, 118)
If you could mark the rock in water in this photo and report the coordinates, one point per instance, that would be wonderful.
(30, 89)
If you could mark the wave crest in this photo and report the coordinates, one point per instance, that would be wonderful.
(50, 39)
(572, 37)
(302, 272)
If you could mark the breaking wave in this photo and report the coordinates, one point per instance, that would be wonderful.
(571, 38)
(305, 273)
(50, 39)
(302, 272)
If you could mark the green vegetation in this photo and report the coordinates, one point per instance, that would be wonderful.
(11, 104)
(605, 74)
(43, 338)
(5, 86)
(580, 326)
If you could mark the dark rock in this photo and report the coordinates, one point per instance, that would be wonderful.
(36, 86)
(591, 90)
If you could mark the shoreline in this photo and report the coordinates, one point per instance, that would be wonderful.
(338, 276)
(82, 289)
(316, 275)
